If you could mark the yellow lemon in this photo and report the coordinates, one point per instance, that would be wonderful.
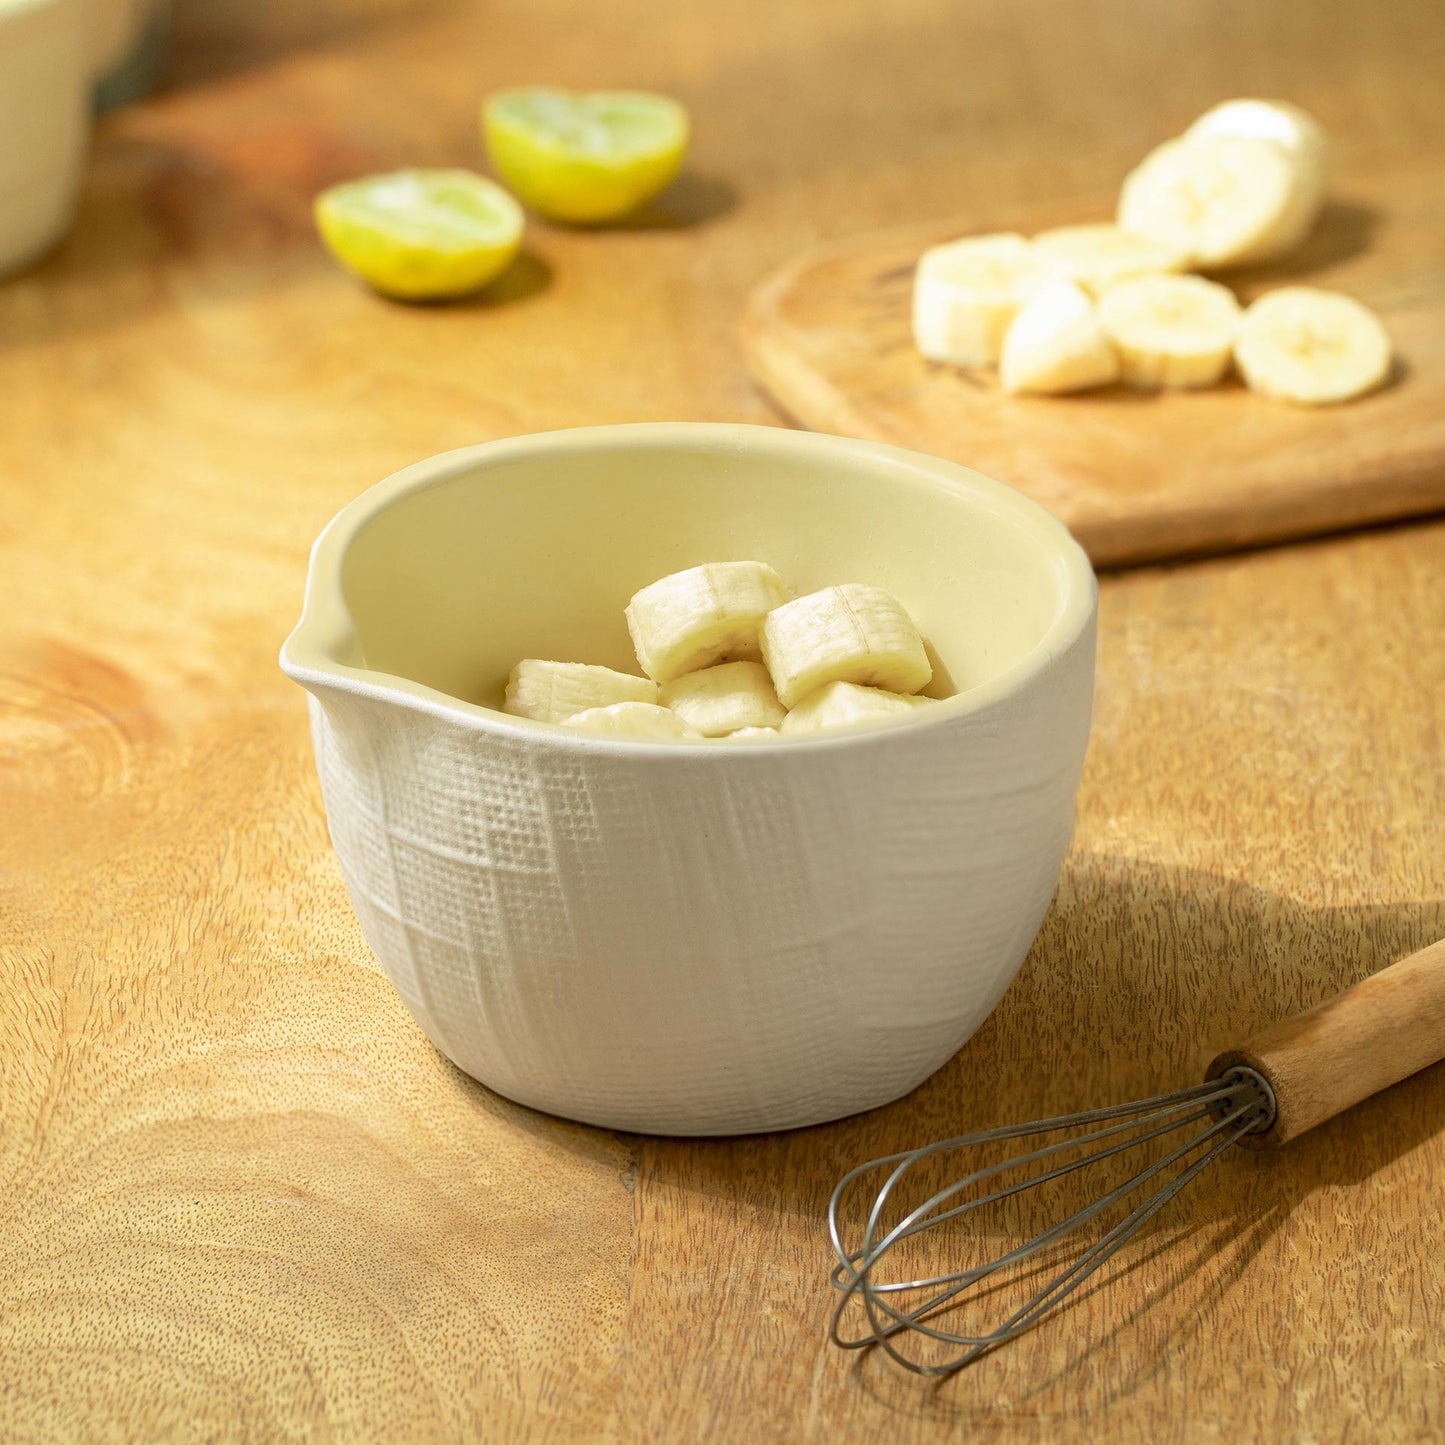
(421, 235)
(584, 158)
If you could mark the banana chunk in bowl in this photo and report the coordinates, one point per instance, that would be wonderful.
(700, 616)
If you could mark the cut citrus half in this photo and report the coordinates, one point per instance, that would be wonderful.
(421, 235)
(584, 157)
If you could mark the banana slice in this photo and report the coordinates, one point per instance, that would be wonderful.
(844, 704)
(704, 615)
(852, 633)
(1056, 344)
(1301, 137)
(966, 294)
(724, 699)
(631, 720)
(750, 735)
(1311, 346)
(1222, 199)
(1287, 125)
(1171, 331)
(556, 691)
(1100, 256)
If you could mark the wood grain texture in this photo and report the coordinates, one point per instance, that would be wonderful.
(1140, 476)
(241, 1198)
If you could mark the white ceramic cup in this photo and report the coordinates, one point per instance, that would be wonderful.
(692, 937)
(45, 107)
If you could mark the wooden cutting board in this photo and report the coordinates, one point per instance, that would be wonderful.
(1138, 476)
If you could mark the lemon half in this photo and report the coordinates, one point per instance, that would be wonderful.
(421, 235)
(584, 157)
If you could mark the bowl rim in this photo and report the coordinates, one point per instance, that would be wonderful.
(310, 654)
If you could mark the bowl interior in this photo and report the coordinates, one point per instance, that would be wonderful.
(535, 551)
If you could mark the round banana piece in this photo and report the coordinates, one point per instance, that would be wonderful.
(724, 699)
(967, 293)
(1299, 135)
(700, 616)
(556, 691)
(631, 720)
(1056, 344)
(1288, 125)
(1171, 331)
(1222, 199)
(845, 704)
(852, 633)
(1102, 255)
(1311, 346)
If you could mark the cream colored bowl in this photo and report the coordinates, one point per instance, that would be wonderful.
(692, 937)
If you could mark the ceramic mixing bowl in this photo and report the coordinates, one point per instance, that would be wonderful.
(691, 937)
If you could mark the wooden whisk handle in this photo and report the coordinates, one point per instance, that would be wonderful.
(1319, 1063)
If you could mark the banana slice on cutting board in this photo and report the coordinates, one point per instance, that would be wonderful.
(1311, 346)
(845, 704)
(1286, 125)
(852, 633)
(1296, 131)
(724, 699)
(967, 293)
(700, 616)
(556, 691)
(1102, 255)
(1171, 331)
(1299, 135)
(1056, 344)
(1222, 199)
(631, 720)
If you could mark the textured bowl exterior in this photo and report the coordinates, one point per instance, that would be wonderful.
(740, 942)
(691, 938)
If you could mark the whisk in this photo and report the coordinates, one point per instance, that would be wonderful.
(1272, 1089)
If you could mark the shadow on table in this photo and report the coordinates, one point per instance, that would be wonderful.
(165, 226)
(211, 39)
(1345, 229)
(1139, 976)
(527, 276)
(693, 199)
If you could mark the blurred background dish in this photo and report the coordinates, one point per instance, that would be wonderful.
(44, 123)
(127, 40)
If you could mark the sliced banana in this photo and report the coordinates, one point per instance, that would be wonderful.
(704, 615)
(724, 699)
(1301, 137)
(1171, 331)
(1102, 255)
(1296, 130)
(852, 633)
(1311, 346)
(1056, 344)
(1222, 199)
(845, 704)
(556, 691)
(631, 720)
(1286, 125)
(966, 294)
(750, 735)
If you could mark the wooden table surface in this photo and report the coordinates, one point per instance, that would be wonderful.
(242, 1198)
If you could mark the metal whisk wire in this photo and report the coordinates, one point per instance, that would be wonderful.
(1238, 1103)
